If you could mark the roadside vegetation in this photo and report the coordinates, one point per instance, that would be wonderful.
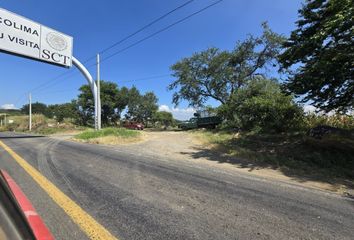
(109, 136)
(260, 87)
(265, 124)
(40, 125)
(294, 153)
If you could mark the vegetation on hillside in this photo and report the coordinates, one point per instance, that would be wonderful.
(40, 124)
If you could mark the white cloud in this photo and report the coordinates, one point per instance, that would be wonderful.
(164, 108)
(317, 111)
(8, 106)
(178, 113)
(310, 109)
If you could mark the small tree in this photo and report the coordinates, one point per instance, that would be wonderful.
(62, 111)
(261, 105)
(163, 117)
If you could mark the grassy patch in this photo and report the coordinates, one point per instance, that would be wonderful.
(294, 153)
(109, 136)
(59, 129)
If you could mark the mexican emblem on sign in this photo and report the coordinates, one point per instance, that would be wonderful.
(56, 41)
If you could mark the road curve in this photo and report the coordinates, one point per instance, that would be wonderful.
(143, 197)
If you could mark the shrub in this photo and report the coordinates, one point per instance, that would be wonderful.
(261, 106)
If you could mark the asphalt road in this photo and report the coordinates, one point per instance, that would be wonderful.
(135, 196)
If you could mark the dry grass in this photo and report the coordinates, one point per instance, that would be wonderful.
(295, 153)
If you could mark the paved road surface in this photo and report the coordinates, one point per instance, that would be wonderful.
(141, 197)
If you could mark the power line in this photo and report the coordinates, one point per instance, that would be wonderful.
(146, 26)
(137, 42)
(158, 32)
(119, 82)
(117, 43)
(161, 30)
(146, 78)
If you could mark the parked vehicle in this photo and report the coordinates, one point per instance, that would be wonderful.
(134, 125)
(200, 122)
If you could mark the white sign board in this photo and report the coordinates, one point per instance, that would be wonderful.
(21, 36)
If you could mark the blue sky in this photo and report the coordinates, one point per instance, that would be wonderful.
(95, 25)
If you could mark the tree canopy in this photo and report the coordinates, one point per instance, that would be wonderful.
(218, 74)
(261, 105)
(319, 54)
(62, 111)
(164, 118)
(113, 102)
(37, 108)
(141, 107)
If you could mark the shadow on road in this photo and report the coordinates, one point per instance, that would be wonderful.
(25, 136)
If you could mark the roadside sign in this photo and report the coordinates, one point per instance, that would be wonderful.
(23, 37)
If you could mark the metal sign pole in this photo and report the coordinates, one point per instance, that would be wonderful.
(92, 84)
(30, 112)
(99, 92)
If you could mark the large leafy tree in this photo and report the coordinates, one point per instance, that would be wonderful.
(62, 111)
(113, 103)
(320, 54)
(37, 108)
(218, 74)
(141, 107)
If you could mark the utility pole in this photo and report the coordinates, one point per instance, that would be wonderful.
(98, 92)
(30, 112)
(5, 119)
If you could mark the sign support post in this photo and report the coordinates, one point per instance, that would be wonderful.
(99, 92)
(30, 112)
(92, 84)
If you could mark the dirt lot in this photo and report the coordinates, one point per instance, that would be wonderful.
(185, 146)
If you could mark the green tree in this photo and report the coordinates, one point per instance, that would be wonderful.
(261, 105)
(218, 74)
(113, 102)
(85, 106)
(37, 108)
(319, 54)
(164, 118)
(62, 111)
(141, 107)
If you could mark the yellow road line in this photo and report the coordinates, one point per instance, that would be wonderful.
(90, 226)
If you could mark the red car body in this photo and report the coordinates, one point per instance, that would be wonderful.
(134, 125)
(18, 217)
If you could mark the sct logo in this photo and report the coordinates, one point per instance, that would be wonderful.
(56, 41)
(57, 44)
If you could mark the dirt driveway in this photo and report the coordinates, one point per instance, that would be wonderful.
(171, 144)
